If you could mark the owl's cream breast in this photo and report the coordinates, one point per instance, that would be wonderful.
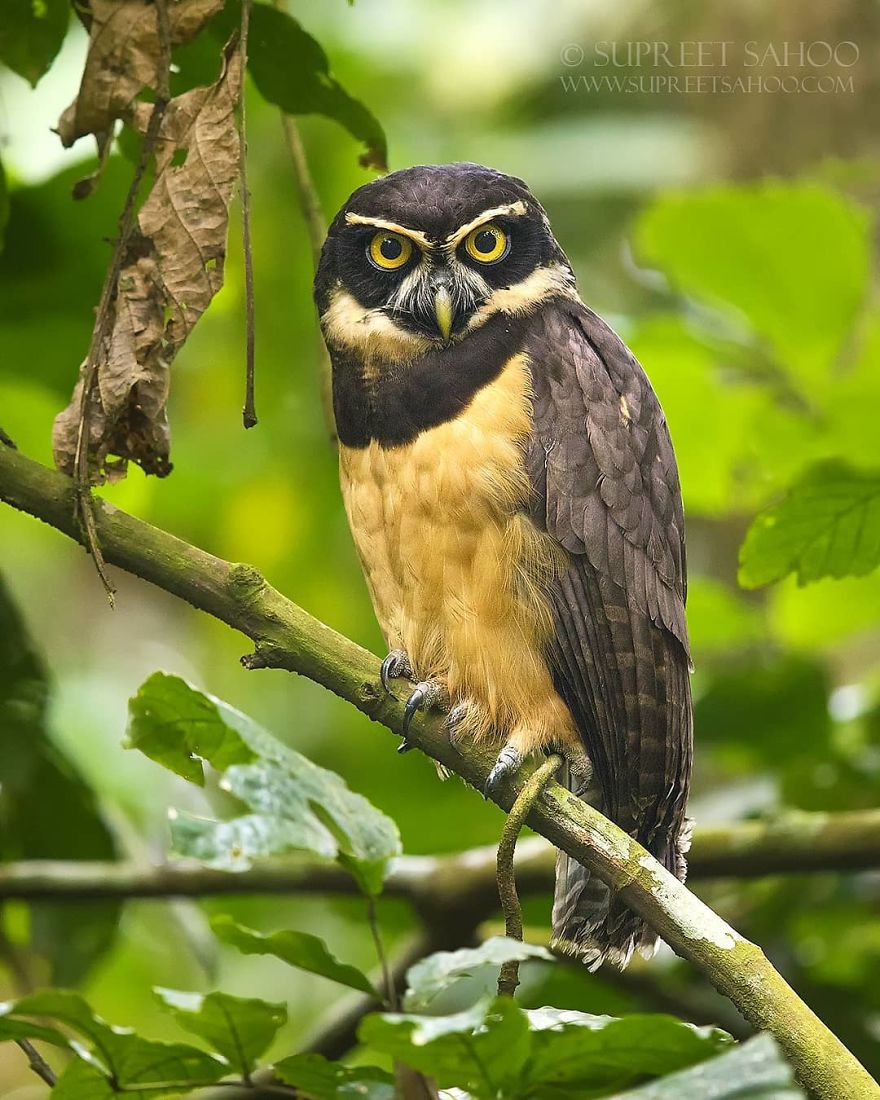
(456, 570)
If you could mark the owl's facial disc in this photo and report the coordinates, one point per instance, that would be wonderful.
(432, 285)
(421, 258)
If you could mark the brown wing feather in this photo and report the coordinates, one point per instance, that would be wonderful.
(605, 486)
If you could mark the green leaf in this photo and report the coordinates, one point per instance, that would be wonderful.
(497, 1049)
(828, 525)
(297, 949)
(11, 1028)
(31, 34)
(82, 1081)
(239, 1028)
(68, 1008)
(291, 70)
(482, 1050)
(234, 845)
(295, 804)
(572, 1052)
(128, 1058)
(794, 258)
(430, 976)
(323, 1080)
(179, 727)
(47, 811)
(754, 1069)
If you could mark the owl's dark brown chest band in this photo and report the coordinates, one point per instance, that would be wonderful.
(405, 399)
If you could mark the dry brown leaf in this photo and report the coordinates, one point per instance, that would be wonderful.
(123, 58)
(172, 269)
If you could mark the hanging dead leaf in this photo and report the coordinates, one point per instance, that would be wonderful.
(123, 58)
(172, 268)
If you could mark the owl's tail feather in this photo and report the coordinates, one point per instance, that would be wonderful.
(589, 921)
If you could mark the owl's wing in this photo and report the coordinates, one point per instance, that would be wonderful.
(605, 486)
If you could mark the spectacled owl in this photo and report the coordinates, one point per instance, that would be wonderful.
(513, 494)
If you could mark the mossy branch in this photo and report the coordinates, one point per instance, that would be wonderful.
(287, 637)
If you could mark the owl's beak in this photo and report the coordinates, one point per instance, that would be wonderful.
(443, 312)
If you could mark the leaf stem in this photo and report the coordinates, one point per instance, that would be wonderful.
(387, 978)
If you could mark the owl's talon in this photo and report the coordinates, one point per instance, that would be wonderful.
(509, 760)
(425, 695)
(396, 666)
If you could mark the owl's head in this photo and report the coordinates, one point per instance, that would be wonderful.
(422, 256)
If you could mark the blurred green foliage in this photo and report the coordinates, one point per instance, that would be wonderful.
(731, 241)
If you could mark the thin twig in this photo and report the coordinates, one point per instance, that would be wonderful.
(84, 501)
(316, 223)
(249, 412)
(316, 226)
(508, 979)
(274, 1088)
(37, 1062)
(387, 977)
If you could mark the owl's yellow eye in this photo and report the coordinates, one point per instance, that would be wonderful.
(388, 250)
(487, 243)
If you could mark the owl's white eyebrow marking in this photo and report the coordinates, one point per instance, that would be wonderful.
(512, 209)
(415, 235)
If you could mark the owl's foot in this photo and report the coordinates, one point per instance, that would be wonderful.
(396, 666)
(509, 760)
(425, 696)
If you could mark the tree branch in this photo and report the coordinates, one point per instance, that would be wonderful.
(793, 843)
(285, 636)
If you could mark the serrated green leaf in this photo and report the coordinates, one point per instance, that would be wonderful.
(179, 727)
(127, 1057)
(291, 70)
(793, 258)
(574, 1054)
(430, 976)
(299, 949)
(755, 1069)
(239, 1028)
(324, 1080)
(234, 845)
(828, 525)
(482, 1050)
(11, 1028)
(31, 33)
(296, 804)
